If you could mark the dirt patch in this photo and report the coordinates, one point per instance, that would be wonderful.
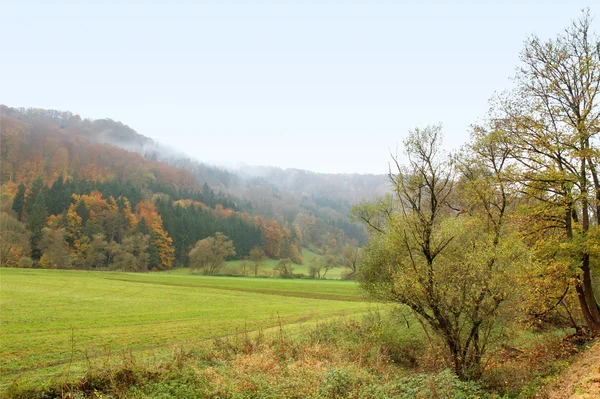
(580, 381)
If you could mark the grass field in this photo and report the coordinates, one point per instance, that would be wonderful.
(50, 315)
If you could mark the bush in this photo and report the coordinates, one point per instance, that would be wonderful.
(444, 385)
(348, 275)
(25, 262)
(337, 384)
(284, 268)
(514, 371)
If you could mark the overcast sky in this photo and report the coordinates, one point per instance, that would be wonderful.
(328, 86)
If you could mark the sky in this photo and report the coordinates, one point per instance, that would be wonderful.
(328, 86)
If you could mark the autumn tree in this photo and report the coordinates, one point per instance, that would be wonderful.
(162, 252)
(552, 122)
(244, 267)
(137, 245)
(14, 240)
(315, 265)
(329, 262)
(7, 198)
(350, 257)
(331, 258)
(257, 257)
(273, 238)
(95, 255)
(445, 257)
(55, 250)
(307, 226)
(209, 254)
(284, 268)
(290, 247)
(131, 254)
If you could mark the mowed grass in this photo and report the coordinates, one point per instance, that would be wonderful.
(47, 316)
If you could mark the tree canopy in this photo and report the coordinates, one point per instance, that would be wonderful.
(209, 254)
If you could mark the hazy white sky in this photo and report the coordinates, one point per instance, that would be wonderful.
(328, 86)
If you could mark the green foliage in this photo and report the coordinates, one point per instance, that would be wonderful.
(209, 254)
(14, 240)
(55, 251)
(63, 157)
(19, 202)
(36, 216)
(337, 384)
(284, 268)
(142, 227)
(256, 257)
(131, 255)
(83, 212)
(445, 385)
(188, 224)
(549, 121)
(25, 262)
(453, 270)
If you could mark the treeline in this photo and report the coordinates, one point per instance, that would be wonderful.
(70, 202)
(82, 224)
(91, 232)
(61, 147)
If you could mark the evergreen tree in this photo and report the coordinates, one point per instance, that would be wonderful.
(82, 210)
(58, 196)
(153, 252)
(36, 216)
(19, 202)
(36, 220)
(142, 227)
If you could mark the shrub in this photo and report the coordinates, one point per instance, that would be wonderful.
(514, 371)
(444, 385)
(25, 262)
(337, 384)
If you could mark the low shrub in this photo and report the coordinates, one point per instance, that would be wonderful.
(25, 262)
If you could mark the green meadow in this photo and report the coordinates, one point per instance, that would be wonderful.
(54, 321)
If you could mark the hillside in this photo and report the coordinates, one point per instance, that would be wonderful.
(93, 193)
(580, 381)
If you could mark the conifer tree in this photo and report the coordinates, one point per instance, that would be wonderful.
(19, 202)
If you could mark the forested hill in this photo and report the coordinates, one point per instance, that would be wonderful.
(96, 194)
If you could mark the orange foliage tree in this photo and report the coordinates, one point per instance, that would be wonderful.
(162, 252)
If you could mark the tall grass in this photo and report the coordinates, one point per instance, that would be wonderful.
(349, 358)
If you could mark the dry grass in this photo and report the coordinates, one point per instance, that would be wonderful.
(580, 381)
(342, 359)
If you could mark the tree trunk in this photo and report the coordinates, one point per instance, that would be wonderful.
(588, 292)
(457, 359)
(588, 289)
(593, 325)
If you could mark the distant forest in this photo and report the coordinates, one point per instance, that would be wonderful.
(94, 194)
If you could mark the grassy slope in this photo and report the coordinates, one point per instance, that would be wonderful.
(43, 309)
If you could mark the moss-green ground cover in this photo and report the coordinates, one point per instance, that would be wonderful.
(47, 316)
